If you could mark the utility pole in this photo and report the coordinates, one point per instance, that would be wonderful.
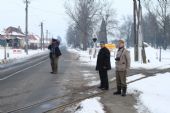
(42, 36)
(46, 37)
(136, 51)
(26, 26)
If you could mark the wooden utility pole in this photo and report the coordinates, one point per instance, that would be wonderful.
(47, 37)
(140, 36)
(136, 12)
(26, 26)
(136, 52)
(42, 36)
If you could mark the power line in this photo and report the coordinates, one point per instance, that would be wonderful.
(47, 11)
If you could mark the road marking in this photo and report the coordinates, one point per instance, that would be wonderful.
(21, 70)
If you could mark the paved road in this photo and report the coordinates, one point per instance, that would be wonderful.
(32, 85)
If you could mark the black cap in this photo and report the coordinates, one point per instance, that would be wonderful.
(102, 42)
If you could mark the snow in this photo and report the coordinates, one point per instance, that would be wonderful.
(84, 56)
(151, 54)
(88, 75)
(135, 77)
(93, 83)
(112, 79)
(85, 71)
(91, 105)
(164, 67)
(89, 92)
(20, 55)
(154, 93)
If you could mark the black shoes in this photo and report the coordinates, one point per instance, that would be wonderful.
(102, 88)
(118, 92)
(124, 92)
(53, 72)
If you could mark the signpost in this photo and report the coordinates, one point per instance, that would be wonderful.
(95, 44)
(4, 43)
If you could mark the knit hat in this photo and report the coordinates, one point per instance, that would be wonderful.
(122, 41)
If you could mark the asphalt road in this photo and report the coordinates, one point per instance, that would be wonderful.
(32, 83)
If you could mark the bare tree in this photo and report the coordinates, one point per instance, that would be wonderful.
(160, 8)
(126, 30)
(108, 18)
(151, 29)
(83, 13)
(163, 14)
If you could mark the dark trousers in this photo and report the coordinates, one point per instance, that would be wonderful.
(54, 63)
(104, 79)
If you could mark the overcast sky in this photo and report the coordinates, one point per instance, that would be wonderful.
(50, 12)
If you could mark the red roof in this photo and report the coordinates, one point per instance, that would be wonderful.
(11, 29)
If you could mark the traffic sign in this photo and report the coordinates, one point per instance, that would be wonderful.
(110, 46)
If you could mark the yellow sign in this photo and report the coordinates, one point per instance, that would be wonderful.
(110, 46)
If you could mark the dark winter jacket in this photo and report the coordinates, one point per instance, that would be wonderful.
(103, 60)
(54, 50)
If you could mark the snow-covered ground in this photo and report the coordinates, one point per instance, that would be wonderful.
(154, 93)
(15, 55)
(91, 105)
(135, 77)
(151, 54)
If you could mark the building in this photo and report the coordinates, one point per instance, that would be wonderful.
(15, 37)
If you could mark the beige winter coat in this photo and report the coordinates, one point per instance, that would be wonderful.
(124, 63)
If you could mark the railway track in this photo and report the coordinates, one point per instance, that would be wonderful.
(62, 107)
(65, 105)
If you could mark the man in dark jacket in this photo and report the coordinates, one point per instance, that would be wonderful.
(54, 55)
(103, 65)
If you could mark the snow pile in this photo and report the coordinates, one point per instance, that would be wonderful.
(20, 55)
(154, 93)
(92, 105)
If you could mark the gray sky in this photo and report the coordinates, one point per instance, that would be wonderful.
(51, 12)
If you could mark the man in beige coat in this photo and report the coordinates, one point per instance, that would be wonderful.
(122, 66)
